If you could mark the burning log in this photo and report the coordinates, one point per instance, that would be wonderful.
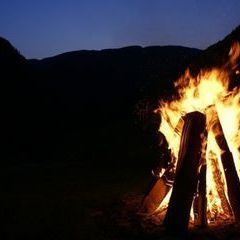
(220, 184)
(185, 184)
(158, 191)
(232, 179)
(161, 185)
(155, 196)
(200, 201)
(233, 184)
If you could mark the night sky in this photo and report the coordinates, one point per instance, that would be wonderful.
(49, 27)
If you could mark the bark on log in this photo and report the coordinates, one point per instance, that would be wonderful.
(200, 201)
(154, 197)
(232, 179)
(220, 184)
(233, 184)
(185, 184)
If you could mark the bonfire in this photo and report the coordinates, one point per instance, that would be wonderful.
(201, 125)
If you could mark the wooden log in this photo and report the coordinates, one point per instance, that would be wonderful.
(219, 184)
(230, 172)
(200, 201)
(233, 184)
(154, 197)
(185, 184)
(157, 192)
(160, 187)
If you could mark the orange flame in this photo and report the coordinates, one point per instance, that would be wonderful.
(209, 88)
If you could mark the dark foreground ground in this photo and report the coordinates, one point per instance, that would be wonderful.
(60, 202)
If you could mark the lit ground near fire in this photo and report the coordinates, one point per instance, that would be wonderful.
(60, 202)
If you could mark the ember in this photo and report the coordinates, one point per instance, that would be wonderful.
(201, 126)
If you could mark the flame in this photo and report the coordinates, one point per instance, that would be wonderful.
(199, 93)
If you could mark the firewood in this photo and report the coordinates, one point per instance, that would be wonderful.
(220, 184)
(233, 184)
(154, 197)
(232, 179)
(160, 186)
(185, 184)
(200, 201)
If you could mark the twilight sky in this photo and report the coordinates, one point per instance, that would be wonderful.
(41, 28)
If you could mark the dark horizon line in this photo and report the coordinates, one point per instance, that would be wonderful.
(117, 48)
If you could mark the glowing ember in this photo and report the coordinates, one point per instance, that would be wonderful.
(208, 93)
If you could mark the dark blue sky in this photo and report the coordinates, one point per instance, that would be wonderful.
(41, 28)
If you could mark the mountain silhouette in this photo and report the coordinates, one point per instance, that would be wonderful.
(217, 54)
(81, 106)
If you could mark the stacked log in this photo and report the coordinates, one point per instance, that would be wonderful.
(154, 197)
(186, 178)
(200, 201)
(189, 187)
(220, 184)
(231, 176)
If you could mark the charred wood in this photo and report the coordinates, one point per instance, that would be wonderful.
(200, 201)
(185, 184)
(230, 172)
(220, 184)
(154, 197)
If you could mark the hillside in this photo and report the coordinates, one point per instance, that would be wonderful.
(66, 99)
(82, 106)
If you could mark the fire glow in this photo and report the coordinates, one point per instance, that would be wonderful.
(209, 94)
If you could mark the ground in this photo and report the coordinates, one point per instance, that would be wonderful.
(73, 202)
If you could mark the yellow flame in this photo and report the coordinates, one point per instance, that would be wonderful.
(198, 93)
